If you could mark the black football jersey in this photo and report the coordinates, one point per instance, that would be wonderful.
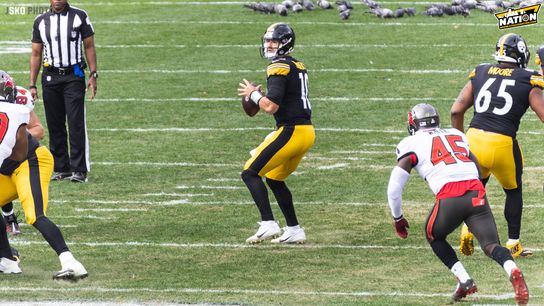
(287, 86)
(501, 96)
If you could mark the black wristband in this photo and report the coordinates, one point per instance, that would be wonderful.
(32, 86)
(398, 219)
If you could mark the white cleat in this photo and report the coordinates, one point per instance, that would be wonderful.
(267, 230)
(73, 271)
(291, 235)
(8, 266)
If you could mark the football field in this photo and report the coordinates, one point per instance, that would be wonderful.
(165, 215)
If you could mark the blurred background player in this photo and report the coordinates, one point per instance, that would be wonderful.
(500, 94)
(442, 157)
(35, 128)
(279, 154)
(28, 180)
(539, 59)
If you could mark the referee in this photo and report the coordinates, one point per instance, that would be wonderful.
(60, 35)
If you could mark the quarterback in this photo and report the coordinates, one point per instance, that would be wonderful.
(442, 157)
(279, 154)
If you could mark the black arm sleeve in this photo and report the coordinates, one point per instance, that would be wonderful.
(276, 88)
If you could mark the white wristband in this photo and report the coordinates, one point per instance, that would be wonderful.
(255, 96)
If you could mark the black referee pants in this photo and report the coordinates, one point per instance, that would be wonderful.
(64, 98)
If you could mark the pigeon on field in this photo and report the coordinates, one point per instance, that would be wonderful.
(410, 11)
(288, 3)
(324, 4)
(456, 10)
(344, 15)
(434, 11)
(505, 4)
(280, 9)
(371, 4)
(297, 8)
(308, 4)
(346, 3)
(382, 12)
(267, 8)
(488, 6)
(469, 4)
(398, 13)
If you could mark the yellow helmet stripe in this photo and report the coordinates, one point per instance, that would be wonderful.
(501, 43)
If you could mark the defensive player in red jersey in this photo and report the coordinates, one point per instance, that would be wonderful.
(442, 157)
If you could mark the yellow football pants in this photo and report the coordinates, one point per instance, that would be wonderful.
(279, 154)
(30, 184)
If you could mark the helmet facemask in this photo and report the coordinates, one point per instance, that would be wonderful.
(281, 33)
(422, 117)
(512, 48)
(7, 88)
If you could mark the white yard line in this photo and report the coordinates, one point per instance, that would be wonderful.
(209, 187)
(110, 209)
(131, 244)
(208, 129)
(248, 202)
(309, 164)
(170, 194)
(238, 291)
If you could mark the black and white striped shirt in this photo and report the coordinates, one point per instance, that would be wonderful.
(61, 35)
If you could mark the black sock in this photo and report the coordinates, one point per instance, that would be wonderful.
(259, 193)
(285, 200)
(52, 234)
(501, 254)
(445, 252)
(513, 208)
(5, 248)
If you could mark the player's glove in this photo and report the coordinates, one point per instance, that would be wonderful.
(401, 227)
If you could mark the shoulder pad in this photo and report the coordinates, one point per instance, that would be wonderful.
(24, 98)
(278, 68)
(537, 81)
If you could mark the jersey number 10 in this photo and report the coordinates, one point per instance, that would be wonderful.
(303, 77)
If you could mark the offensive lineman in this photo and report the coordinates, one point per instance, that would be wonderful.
(28, 179)
(443, 159)
(279, 154)
(500, 94)
(13, 146)
(34, 128)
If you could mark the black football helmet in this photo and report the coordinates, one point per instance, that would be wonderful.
(7, 88)
(282, 33)
(421, 117)
(512, 48)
